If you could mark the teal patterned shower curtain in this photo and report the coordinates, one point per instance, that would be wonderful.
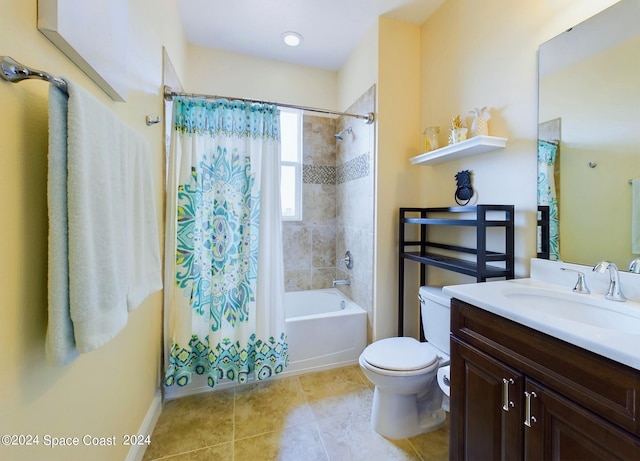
(224, 272)
(547, 153)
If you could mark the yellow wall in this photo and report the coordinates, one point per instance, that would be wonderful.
(107, 392)
(476, 54)
(360, 71)
(470, 54)
(231, 74)
(398, 182)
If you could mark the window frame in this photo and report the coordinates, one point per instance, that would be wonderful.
(297, 166)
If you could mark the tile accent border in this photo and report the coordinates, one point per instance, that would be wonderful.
(353, 169)
(313, 174)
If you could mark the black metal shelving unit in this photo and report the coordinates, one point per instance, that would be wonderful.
(487, 264)
(544, 232)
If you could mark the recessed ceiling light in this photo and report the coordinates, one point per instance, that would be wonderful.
(292, 38)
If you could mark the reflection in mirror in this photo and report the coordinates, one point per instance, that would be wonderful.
(589, 138)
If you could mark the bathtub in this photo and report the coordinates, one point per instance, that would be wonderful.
(325, 329)
(320, 333)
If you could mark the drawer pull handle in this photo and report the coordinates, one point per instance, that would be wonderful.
(528, 417)
(506, 403)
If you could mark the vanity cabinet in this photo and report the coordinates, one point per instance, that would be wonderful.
(517, 393)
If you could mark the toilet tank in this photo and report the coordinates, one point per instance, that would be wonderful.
(436, 316)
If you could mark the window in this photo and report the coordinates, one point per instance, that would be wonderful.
(291, 164)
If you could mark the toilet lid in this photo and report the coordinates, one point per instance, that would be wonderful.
(399, 354)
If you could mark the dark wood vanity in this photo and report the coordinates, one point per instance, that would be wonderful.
(517, 393)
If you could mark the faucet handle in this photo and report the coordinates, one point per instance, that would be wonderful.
(581, 284)
(634, 266)
(347, 260)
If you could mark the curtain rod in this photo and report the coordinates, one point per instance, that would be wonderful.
(169, 94)
(13, 71)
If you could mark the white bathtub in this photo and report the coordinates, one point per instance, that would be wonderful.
(325, 329)
(321, 335)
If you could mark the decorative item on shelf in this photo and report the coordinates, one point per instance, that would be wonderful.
(479, 125)
(430, 138)
(464, 191)
(457, 132)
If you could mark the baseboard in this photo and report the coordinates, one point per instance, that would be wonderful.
(146, 428)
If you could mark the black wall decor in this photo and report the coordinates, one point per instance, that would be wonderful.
(464, 191)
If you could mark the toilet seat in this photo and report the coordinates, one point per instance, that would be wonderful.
(400, 355)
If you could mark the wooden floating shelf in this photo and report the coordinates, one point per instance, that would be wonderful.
(473, 146)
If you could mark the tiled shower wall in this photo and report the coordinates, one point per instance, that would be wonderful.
(355, 202)
(310, 244)
(337, 212)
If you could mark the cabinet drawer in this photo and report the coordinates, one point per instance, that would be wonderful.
(601, 385)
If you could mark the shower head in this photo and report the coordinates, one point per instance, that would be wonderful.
(339, 136)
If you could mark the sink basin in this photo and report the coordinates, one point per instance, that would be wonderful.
(608, 328)
(584, 309)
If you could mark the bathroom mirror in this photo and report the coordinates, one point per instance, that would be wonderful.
(589, 137)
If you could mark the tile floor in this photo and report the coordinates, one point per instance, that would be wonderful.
(316, 416)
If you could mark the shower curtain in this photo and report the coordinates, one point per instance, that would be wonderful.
(547, 153)
(224, 268)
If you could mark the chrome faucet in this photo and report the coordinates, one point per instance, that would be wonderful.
(341, 282)
(347, 260)
(635, 266)
(581, 284)
(614, 293)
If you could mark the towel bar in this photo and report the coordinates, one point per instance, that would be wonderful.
(13, 71)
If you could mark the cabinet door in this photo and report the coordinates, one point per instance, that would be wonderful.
(562, 430)
(486, 407)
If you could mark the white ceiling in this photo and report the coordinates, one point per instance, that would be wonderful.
(331, 28)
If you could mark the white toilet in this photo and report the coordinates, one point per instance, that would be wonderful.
(409, 397)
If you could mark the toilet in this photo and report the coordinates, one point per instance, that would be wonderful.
(411, 378)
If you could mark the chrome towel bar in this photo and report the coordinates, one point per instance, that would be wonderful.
(13, 71)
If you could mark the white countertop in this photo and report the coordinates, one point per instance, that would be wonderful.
(621, 346)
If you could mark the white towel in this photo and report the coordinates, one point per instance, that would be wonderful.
(113, 247)
(96, 194)
(144, 269)
(60, 345)
(635, 216)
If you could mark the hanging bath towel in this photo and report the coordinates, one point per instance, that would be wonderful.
(60, 345)
(103, 228)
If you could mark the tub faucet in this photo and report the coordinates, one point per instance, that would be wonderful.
(614, 293)
(341, 282)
